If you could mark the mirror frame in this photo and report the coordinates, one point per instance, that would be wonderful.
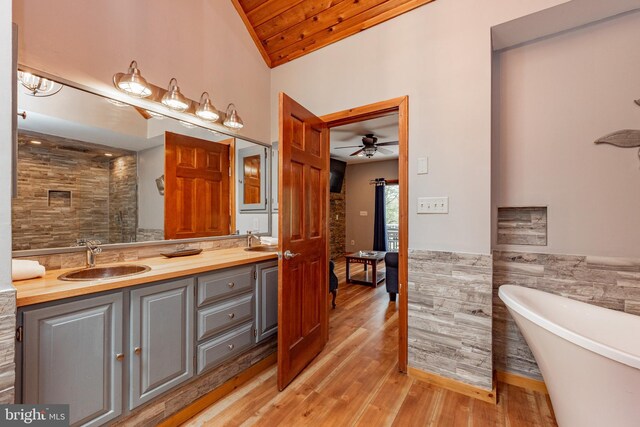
(154, 107)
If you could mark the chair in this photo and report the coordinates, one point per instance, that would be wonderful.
(333, 283)
(391, 274)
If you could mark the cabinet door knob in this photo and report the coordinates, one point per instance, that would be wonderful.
(232, 315)
(120, 357)
(231, 346)
(137, 350)
(231, 284)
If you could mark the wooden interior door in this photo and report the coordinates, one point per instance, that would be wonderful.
(196, 195)
(303, 280)
(251, 179)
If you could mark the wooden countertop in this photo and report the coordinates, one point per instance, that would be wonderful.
(50, 288)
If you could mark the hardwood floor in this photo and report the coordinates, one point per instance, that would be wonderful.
(355, 382)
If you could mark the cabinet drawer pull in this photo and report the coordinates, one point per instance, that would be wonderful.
(137, 350)
(231, 346)
(231, 284)
(232, 315)
(120, 357)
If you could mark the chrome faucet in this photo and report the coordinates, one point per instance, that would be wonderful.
(93, 249)
(250, 237)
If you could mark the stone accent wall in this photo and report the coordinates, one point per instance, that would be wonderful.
(7, 345)
(134, 253)
(41, 168)
(69, 190)
(123, 199)
(170, 403)
(337, 222)
(604, 281)
(522, 226)
(149, 234)
(450, 315)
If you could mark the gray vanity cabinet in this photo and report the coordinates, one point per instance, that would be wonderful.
(266, 300)
(73, 353)
(162, 338)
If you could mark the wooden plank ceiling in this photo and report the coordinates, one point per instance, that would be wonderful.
(284, 30)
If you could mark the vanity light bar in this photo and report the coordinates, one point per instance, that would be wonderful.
(173, 99)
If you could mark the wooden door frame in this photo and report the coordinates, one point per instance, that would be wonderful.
(231, 142)
(366, 112)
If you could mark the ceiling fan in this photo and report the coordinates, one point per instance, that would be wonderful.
(370, 146)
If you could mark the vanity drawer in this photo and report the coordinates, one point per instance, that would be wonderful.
(223, 315)
(214, 352)
(224, 283)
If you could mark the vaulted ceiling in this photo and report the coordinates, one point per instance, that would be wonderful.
(284, 30)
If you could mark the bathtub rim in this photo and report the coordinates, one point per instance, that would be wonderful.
(508, 294)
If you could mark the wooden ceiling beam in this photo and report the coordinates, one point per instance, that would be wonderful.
(270, 10)
(249, 5)
(252, 33)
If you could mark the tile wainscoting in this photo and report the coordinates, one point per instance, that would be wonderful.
(135, 253)
(7, 345)
(604, 281)
(450, 309)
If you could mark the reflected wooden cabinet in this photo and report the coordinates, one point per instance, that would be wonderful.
(253, 171)
(73, 354)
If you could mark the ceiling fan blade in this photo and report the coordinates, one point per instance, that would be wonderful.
(357, 152)
(381, 144)
(384, 150)
(349, 146)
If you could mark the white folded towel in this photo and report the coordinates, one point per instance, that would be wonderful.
(267, 240)
(22, 269)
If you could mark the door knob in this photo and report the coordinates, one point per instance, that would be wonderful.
(288, 254)
(137, 350)
(120, 357)
(232, 315)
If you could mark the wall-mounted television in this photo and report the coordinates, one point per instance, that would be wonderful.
(336, 175)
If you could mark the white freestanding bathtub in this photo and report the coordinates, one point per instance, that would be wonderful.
(589, 356)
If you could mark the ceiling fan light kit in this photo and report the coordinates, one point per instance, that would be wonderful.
(370, 146)
(133, 84)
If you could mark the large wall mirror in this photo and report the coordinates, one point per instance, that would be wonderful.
(92, 167)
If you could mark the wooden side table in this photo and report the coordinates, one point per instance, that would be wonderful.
(370, 277)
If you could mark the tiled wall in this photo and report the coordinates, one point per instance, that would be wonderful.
(450, 315)
(93, 189)
(123, 199)
(78, 259)
(337, 222)
(7, 345)
(41, 168)
(149, 234)
(607, 282)
(522, 226)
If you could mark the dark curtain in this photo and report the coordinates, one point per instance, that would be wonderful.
(380, 220)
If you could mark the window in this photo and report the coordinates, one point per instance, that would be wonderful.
(392, 209)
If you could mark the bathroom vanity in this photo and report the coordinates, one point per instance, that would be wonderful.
(110, 347)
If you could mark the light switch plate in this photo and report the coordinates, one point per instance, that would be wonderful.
(364, 213)
(433, 205)
(423, 165)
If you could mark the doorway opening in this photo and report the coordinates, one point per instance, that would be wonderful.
(361, 123)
